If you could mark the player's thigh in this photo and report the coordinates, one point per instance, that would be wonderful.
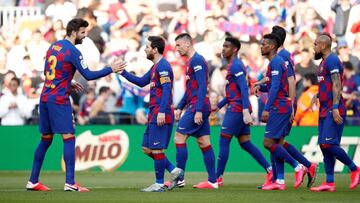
(44, 120)
(61, 118)
(331, 132)
(145, 141)
(276, 125)
(232, 123)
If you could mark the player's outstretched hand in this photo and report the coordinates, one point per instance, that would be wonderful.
(77, 87)
(198, 118)
(336, 115)
(178, 114)
(265, 116)
(247, 117)
(118, 65)
(160, 120)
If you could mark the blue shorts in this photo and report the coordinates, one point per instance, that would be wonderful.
(329, 131)
(277, 125)
(56, 118)
(187, 126)
(157, 137)
(233, 124)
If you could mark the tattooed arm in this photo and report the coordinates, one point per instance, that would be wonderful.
(336, 91)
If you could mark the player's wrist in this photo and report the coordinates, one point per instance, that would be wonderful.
(335, 106)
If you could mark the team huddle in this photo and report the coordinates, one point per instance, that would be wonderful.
(193, 111)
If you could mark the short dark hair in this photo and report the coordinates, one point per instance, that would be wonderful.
(235, 42)
(158, 43)
(274, 39)
(103, 89)
(75, 25)
(185, 36)
(348, 65)
(280, 32)
(17, 80)
(312, 78)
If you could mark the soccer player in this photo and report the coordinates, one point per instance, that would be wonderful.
(237, 117)
(277, 111)
(286, 56)
(195, 120)
(161, 114)
(332, 113)
(62, 61)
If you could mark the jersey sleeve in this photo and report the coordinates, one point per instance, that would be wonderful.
(200, 76)
(164, 73)
(333, 65)
(139, 81)
(78, 61)
(276, 73)
(240, 77)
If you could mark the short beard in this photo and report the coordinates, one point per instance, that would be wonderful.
(150, 57)
(78, 41)
(318, 56)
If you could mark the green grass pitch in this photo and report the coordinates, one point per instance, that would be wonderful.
(125, 186)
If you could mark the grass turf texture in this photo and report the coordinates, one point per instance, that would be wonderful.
(125, 186)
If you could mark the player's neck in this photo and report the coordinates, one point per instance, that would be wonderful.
(229, 59)
(157, 58)
(191, 52)
(271, 55)
(72, 41)
(326, 54)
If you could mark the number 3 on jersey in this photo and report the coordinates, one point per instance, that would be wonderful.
(52, 60)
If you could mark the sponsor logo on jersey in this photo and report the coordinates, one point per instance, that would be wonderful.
(197, 68)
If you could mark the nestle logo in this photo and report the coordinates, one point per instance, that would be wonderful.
(106, 151)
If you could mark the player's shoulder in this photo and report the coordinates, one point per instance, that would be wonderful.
(237, 65)
(277, 61)
(164, 68)
(197, 59)
(332, 58)
(284, 53)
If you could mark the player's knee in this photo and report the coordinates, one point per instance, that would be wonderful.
(203, 142)
(47, 138)
(267, 144)
(179, 139)
(146, 150)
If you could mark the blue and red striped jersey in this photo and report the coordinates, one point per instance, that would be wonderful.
(236, 89)
(62, 60)
(327, 67)
(160, 77)
(278, 86)
(195, 96)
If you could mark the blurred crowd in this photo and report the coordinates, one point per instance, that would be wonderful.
(120, 28)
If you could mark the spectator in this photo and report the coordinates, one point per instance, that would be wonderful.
(342, 11)
(14, 107)
(307, 115)
(85, 106)
(351, 89)
(97, 114)
(345, 53)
